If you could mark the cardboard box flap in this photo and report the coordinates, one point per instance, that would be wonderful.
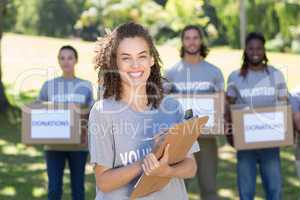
(248, 107)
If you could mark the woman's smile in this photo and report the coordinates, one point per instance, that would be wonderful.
(136, 74)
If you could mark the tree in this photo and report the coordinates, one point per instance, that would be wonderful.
(4, 104)
(161, 2)
(243, 23)
(58, 17)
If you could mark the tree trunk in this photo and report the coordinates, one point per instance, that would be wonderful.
(243, 23)
(4, 104)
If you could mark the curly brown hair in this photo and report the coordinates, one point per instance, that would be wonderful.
(106, 63)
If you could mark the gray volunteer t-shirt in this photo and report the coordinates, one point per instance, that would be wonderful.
(202, 77)
(258, 88)
(119, 136)
(294, 99)
(61, 90)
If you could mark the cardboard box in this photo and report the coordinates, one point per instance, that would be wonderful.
(181, 137)
(49, 123)
(262, 127)
(211, 105)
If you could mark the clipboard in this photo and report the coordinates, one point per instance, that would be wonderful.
(181, 137)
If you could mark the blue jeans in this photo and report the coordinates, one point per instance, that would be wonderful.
(55, 161)
(269, 167)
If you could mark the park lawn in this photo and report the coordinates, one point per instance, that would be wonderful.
(22, 168)
(23, 171)
(28, 61)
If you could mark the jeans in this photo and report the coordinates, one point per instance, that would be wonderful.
(55, 161)
(269, 167)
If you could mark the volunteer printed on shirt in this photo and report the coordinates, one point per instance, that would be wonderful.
(61, 90)
(258, 88)
(202, 77)
(119, 136)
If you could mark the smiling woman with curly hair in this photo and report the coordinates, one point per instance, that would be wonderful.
(131, 111)
(107, 63)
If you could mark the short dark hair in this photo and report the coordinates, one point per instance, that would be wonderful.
(71, 48)
(252, 36)
(203, 48)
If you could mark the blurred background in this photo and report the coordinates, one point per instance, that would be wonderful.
(33, 31)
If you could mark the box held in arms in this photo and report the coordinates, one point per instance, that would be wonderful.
(211, 105)
(262, 127)
(53, 123)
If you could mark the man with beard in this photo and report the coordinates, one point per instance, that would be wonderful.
(194, 75)
(257, 84)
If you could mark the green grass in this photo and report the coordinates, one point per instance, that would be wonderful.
(23, 171)
(22, 168)
(26, 59)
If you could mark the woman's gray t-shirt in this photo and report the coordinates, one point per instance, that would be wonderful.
(119, 136)
(61, 90)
